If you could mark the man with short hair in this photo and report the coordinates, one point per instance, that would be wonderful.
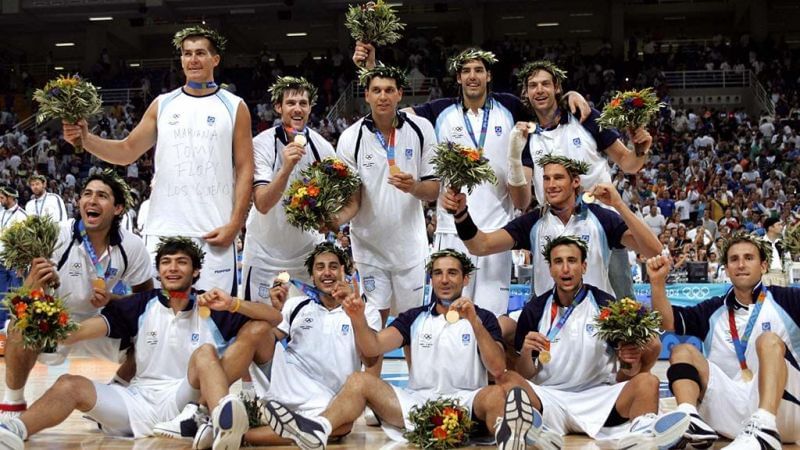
(177, 355)
(281, 153)
(391, 151)
(576, 379)
(203, 158)
(45, 203)
(748, 384)
(12, 213)
(451, 359)
(92, 255)
(776, 274)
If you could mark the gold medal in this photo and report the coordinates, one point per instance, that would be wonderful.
(452, 316)
(283, 277)
(588, 198)
(394, 170)
(300, 140)
(544, 357)
(204, 312)
(99, 283)
(747, 374)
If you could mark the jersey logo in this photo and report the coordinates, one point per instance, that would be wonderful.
(576, 142)
(457, 133)
(585, 238)
(75, 269)
(539, 152)
(308, 323)
(766, 326)
(590, 329)
(409, 153)
(369, 283)
(263, 290)
(465, 339)
(498, 130)
(426, 340)
(195, 338)
(210, 120)
(174, 119)
(112, 272)
(151, 338)
(345, 330)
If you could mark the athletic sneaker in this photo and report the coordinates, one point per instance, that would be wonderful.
(650, 431)
(204, 439)
(699, 436)
(10, 438)
(185, 424)
(511, 429)
(307, 433)
(230, 423)
(756, 435)
(9, 410)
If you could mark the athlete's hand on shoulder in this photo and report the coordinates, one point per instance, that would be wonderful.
(73, 132)
(577, 103)
(353, 306)
(222, 236)
(534, 342)
(216, 299)
(278, 295)
(403, 181)
(42, 274)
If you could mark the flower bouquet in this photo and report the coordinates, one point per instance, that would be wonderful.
(253, 411)
(627, 322)
(69, 98)
(40, 318)
(439, 424)
(460, 166)
(631, 109)
(374, 23)
(323, 189)
(31, 238)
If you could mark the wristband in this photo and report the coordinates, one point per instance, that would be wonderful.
(461, 214)
(238, 305)
(466, 229)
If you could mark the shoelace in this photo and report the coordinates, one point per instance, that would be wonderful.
(751, 427)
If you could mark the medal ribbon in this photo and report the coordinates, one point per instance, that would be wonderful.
(740, 345)
(201, 85)
(6, 219)
(554, 329)
(484, 127)
(307, 289)
(39, 206)
(388, 146)
(87, 245)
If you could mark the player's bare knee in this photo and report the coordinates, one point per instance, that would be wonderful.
(770, 342)
(684, 353)
(74, 386)
(645, 383)
(204, 354)
(360, 381)
(255, 330)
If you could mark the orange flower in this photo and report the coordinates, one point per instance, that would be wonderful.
(63, 318)
(313, 190)
(615, 102)
(605, 313)
(36, 294)
(440, 433)
(448, 411)
(472, 154)
(295, 202)
(21, 307)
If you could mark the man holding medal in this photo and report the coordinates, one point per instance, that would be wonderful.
(93, 254)
(573, 376)
(281, 153)
(453, 344)
(748, 386)
(203, 158)
(391, 152)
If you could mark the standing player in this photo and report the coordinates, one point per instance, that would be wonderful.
(92, 255)
(572, 374)
(45, 203)
(203, 158)
(748, 385)
(12, 213)
(281, 153)
(391, 152)
(450, 360)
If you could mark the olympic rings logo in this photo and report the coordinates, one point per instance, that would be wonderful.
(692, 292)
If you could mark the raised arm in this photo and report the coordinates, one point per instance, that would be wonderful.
(266, 196)
(478, 242)
(658, 269)
(631, 161)
(369, 343)
(639, 237)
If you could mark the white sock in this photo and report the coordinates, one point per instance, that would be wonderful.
(766, 418)
(247, 386)
(326, 424)
(688, 408)
(14, 396)
(120, 381)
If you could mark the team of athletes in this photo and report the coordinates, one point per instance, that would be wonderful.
(315, 358)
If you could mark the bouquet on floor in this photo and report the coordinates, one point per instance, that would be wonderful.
(253, 411)
(41, 319)
(630, 109)
(322, 190)
(69, 98)
(31, 238)
(460, 166)
(439, 424)
(627, 321)
(374, 23)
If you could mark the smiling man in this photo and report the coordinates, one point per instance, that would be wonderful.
(203, 159)
(92, 255)
(281, 153)
(747, 384)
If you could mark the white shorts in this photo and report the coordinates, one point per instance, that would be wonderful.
(579, 412)
(133, 411)
(728, 403)
(409, 399)
(256, 282)
(399, 290)
(219, 265)
(489, 286)
(296, 390)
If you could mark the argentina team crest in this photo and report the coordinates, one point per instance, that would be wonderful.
(210, 120)
(369, 283)
(409, 153)
(345, 329)
(263, 290)
(466, 338)
(576, 142)
(498, 130)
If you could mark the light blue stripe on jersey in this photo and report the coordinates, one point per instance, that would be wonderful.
(712, 322)
(606, 252)
(146, 311)
(506, 113)
(456, 107)
(228, 105)
(166, 100)
(219, 342)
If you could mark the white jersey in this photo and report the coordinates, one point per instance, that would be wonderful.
(445, 356)
(320, 345)
(601, 228)
(48, 204)
(388, 231)
(575, 140)
(271, 243)
(11, 216)
(193, 185)
(126, 259)
(490, 205)
(579, 359)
